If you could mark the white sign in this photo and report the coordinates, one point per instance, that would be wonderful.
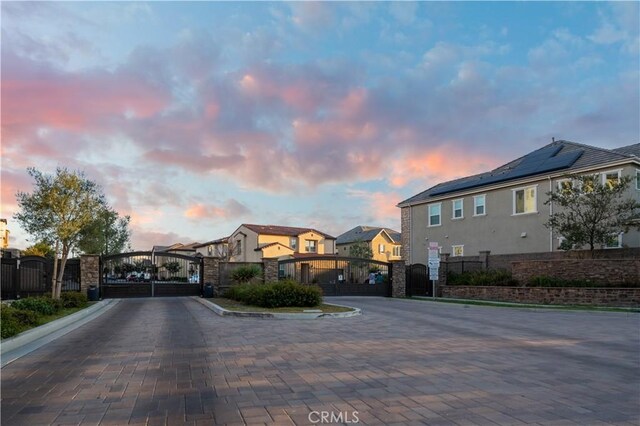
(433, 245)
(433, 263)
(433, 274)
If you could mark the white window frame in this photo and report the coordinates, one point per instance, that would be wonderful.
(608, 172)
(535, 199)
(307, 246)
(293, 243)
(562, 181)
(453, 209)
(397, 251)
(616, 246)
(476, 205)
(429, 206)
(381, 248)
(457, 246)
(238, 248)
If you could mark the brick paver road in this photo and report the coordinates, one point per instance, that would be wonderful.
(172, 361)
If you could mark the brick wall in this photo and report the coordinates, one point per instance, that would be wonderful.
(405, 229)
(603, 271)
(503, 261)
(617, 297)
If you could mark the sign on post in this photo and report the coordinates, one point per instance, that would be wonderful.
(434, 264)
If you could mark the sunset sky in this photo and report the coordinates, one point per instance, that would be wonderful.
(196, 117)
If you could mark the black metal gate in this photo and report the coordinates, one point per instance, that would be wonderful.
(417, 280)
(340, 276)
(150, 274)
(32, 276)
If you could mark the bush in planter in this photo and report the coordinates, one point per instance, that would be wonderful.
(244, 274)
(276, 295)
(40, 305)
(13, 321)
(490, 277)
(73, 299)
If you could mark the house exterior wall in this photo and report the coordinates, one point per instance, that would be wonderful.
(276, 251)
(329, 246)
(4, 234)
(382, 238)
(499, 229)
(249, 242)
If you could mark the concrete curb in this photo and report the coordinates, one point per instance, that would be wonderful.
(278, 315)
(30, 340)
(516, 305)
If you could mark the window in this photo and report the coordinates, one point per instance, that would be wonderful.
(615, 241)
(524, 200)
(434, 214)
(457, 251)
(381, 248)
(310, 246)
(396, 251)
(565, 186)
(589, 183)
(457, 208)
(611, 178)
(638, 180)
(293, 243)
(479, 203)
(238, 247)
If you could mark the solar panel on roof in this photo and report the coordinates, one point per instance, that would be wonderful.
(541, 161)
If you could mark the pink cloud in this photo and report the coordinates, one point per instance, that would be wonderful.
(231, 209)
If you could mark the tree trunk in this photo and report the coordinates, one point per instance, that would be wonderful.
(54, 276)
(63, 264)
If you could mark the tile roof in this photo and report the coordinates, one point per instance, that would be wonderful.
(587, 156)
(208, 243)
(365, 233)
(283, 230)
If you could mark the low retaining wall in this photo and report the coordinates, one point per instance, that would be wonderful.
(601, 271)
(615, 297)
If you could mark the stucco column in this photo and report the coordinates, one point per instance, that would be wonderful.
(398, 282)
(270, 270)
(484, 258)
(89, 271)
(211, 273)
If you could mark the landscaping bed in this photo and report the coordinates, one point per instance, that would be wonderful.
(233, 305)
(24, 314)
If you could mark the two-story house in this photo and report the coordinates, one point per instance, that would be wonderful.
(215, 248)
(504, 210)
(252, 243)
(384, 243)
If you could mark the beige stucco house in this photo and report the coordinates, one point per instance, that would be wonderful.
(252, 243)
(4, 234)
(215, 248)
(385, 243)
(504, 210)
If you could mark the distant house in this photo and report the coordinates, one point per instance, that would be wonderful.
(504, 210)
(178, 248)
(385, 243)
(215, 248)
(4, 234)
(252, 243)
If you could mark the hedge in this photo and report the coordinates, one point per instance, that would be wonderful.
(276, 295)
(490, 277)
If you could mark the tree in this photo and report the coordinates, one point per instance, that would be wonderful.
(361, 250)
(61, 206)
(172, 267)
(41, 248)
(107, 234)
(591, 213)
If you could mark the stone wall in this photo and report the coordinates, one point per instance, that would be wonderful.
(602, 271)
(211, 274)
(613, 297)
(405, 229)
(270, 270)
(89, 271)
(398, 282)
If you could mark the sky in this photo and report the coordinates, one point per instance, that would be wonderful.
(197, 117)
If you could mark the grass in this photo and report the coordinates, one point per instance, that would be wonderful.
(232, 305)
(527, 305)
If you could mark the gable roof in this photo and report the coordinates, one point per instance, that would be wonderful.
(366, 233)
(208, 243)
(555, 157)
(283, 230)
(264, 246)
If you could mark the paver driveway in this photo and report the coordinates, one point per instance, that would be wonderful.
(172, 361)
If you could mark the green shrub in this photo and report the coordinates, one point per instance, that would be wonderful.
(13, 320)
(244, 274)
(40, 305)
(74, 299)
(276, 295)
(490, 277)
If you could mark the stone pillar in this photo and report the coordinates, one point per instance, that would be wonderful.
(211, 273)
(398, 282)
(484, 258)
(89, 271)
(270, 267)
(405, 229)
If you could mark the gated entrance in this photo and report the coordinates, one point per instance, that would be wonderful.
(150, 274)
(339, 276)
(417, 280)
(31, 276)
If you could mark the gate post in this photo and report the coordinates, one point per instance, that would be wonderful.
(211, 273)
(398, 280)
(270, 270)
(89, 271)
(484, 259)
